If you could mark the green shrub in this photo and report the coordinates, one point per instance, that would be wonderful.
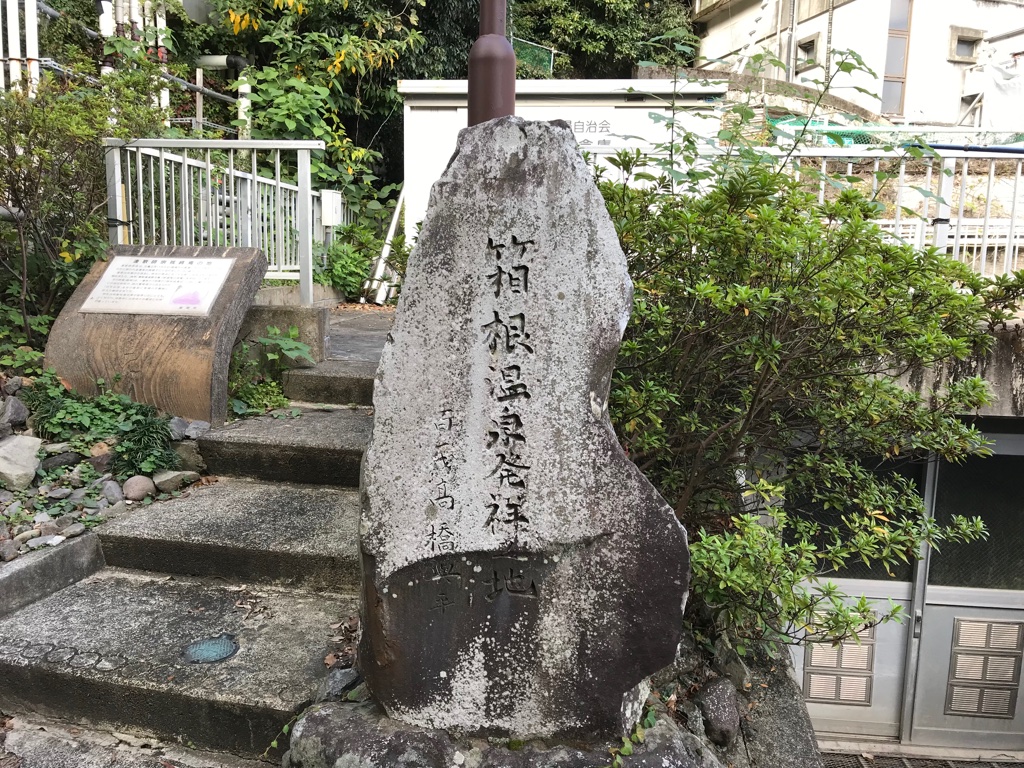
(141, 436)
(756, 384)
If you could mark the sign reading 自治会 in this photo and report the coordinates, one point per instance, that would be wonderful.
(152, 285)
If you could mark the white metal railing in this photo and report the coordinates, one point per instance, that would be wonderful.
(968, 202)
(252, 193)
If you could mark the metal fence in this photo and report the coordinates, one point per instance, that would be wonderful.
(223, 193)
(967, 202)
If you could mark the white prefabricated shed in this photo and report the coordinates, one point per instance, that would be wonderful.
(605, 115)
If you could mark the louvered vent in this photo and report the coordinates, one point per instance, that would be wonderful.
(842, 673)
(984, 672)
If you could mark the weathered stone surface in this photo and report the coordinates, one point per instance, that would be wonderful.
(344, 735)
(14, 411)
(189, 457)
(333, 687)
(717, 701)
(178, 363)
(111, 491)
(18, 461)
(65, 459)
(520, 575)
(138, 487)
(172, 480)
(177, 427)
(778, 730)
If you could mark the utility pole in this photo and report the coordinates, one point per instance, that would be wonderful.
(492, 67)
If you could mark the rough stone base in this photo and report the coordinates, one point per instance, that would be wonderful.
(347, 735)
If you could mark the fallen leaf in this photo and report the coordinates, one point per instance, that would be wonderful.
(330, 659)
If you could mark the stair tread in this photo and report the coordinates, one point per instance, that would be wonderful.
(255, 515)
(124, 632)
(244, 529)
(346, 428)
(363, 369)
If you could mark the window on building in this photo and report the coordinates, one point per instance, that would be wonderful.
(895, 83)
(807, 53)
(964, 44)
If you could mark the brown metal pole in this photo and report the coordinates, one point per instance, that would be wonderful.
(492, 67)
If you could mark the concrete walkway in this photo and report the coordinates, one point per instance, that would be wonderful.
(358, 331)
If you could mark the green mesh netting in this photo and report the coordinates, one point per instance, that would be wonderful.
(533, 55)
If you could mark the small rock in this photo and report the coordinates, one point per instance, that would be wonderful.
(138, 487)
(189, 457)
(718, 705)
(6, 430)
(13, 509)
(116, 509)
(100, 480)
(8, 551)
(75, 529)
(178, 427)
(111, 491)
(54, 448)
(197, 429)
(59, 493)
(172, 480)
(42, 517)
(6, 497)
(102, 503)
(78, 494)
(21, 538)
(18, 460)
(45, 541)
(49, 529)
(102, 462)
(20, 529)
(64, 521)
(13, 385)
(74, 478)
(14, 412)
(65, 459)
(99, 449)
(337, 683)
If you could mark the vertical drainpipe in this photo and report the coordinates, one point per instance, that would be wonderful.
(13, 41)
(32, 45)
(791, 51)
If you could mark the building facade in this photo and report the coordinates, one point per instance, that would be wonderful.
(926, 54)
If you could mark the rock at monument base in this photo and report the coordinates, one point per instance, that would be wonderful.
(521, 576)
(718, 706)
(344, 735)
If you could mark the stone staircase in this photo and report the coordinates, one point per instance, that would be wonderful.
(266, 554)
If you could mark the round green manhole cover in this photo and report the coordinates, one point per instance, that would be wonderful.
(211, 649)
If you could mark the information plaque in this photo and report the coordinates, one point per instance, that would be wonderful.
(150, 285)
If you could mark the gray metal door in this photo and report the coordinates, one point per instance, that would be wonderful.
(970, 629)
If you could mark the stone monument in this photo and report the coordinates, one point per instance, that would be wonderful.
(521, 577)
(163, 321)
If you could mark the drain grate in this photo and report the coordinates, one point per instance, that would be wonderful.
(882, 761)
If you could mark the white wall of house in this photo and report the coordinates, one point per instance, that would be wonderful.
(934, 75)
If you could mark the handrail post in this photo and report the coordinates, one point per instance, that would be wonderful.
(304, 225)
(112, 160)
(943, 208)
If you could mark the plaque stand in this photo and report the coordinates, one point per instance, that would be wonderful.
(176, 362)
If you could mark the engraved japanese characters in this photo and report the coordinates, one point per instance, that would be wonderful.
(521, 576)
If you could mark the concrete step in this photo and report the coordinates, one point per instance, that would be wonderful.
(346, 382)
(318, 447)
(244, 530)
(108, 652)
